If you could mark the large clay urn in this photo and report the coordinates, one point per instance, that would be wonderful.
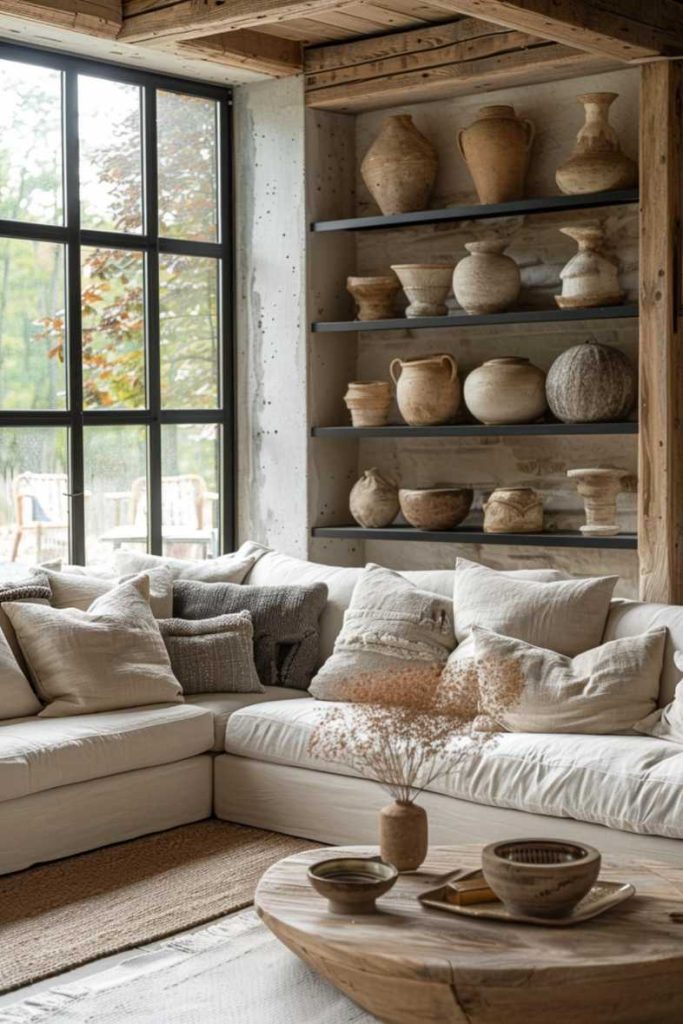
(597, 163)
(399, 169)
(486, 281)
(591, 383)
(373, 500)
(513, 510)
(599, 488)
(403, 839)
(427, 389)
(506, 390)
(589, 278)
(375, 297)
(496, 149)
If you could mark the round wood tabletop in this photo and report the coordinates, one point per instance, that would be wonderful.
(409, 964)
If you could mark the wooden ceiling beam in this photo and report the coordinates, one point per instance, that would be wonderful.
(151, 20)
(246, 48)
(627, 30)
(101, 18)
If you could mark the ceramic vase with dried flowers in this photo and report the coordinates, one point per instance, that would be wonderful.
(405, 727)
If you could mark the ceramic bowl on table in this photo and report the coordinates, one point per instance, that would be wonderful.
(352, 884)
(435, 508)
(540, 877)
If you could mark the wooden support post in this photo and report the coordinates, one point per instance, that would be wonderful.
(660, 457)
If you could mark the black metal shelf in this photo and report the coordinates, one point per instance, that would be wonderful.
(475, 535)
(475, 211)
(528, 316)
(476, 430)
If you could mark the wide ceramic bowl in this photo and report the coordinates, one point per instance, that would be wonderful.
(540, 877)
(352, 884)
(435, 508)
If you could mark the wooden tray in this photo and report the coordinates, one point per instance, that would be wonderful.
(603, 896)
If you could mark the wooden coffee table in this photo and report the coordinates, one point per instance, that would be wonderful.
(411, 965)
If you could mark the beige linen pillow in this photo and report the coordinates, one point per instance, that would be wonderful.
(523, 688)
(79, 590)
(225, 569)
(17, 699)
(389, 626)
(111, 656)
(667, 723)
(567, 616)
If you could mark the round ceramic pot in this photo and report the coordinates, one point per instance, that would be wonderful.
(590, 278)
(403, 835)
(506, 390)
(597, 163)
(436, 508)
(591, 383)
(496, 149)
(486, 281)
(426, 286)
(375, 297)
(427, 389)
(368, 402)
(399, 169)
(373, 501)
(540, 877)
(513, 510)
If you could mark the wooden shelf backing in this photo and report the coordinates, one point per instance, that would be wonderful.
(347, 433)
(475, 535)
(523, 316)
(477, 211)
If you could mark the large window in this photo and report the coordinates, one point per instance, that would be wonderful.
(115, 312)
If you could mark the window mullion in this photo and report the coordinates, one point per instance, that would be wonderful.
(226, 330)
(153, 360)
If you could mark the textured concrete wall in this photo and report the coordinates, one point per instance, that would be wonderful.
(272, 448)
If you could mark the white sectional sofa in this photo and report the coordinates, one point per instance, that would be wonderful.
(72, 784)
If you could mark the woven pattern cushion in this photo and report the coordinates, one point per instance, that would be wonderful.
(285, 621)
(212, 655)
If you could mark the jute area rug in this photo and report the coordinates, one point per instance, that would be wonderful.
(60, 915)
(234, 972)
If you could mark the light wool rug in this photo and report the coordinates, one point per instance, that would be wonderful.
(60, 915)
(235, 972)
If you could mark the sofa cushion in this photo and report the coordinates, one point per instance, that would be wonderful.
(222, 706)
(230, 568)
(17, 699)
(44, 753)
(634, 783)
(629, 618)
(79, 590)
(212, 655)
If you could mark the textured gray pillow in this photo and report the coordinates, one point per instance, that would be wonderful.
(212, 655)
(285, 621)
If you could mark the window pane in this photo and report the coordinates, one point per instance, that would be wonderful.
(32, 371)
(30, 143)
(187, 138)
(190, 456)
(113, 329)
(188, 308)
(115, 460)
(34, 508)
(110, 155)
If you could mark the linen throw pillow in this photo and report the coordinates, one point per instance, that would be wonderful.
(225, 569)
(34, 589)
(79, 590)
(212, 655)
(286, 623)
(567, 616)
(17, 699)
(523, 688)
(111, 656)
(389, 626)
(667, 723)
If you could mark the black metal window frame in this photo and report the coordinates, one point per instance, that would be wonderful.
(149, 242)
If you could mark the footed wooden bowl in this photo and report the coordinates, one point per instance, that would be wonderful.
(540, 877)
(436, 508)
(352, 884)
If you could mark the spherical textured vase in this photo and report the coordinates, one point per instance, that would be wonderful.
(589, 278)
(427, 389)
(506, 390)
(373, 501)
(404, 839)
(597, 163)
(435, 508)
(591, 383)
(540, 877)
(375, 297)
(599, 488)
(399, 169)
(486, 281)
(513, 510)
(496, 149)
(426, 286)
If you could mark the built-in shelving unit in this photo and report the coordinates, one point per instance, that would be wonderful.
(477, 430)
(475, 211)
(475, 535)
(517, 316)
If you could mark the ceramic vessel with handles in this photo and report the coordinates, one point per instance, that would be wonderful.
(427, 389)
(496, 149)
